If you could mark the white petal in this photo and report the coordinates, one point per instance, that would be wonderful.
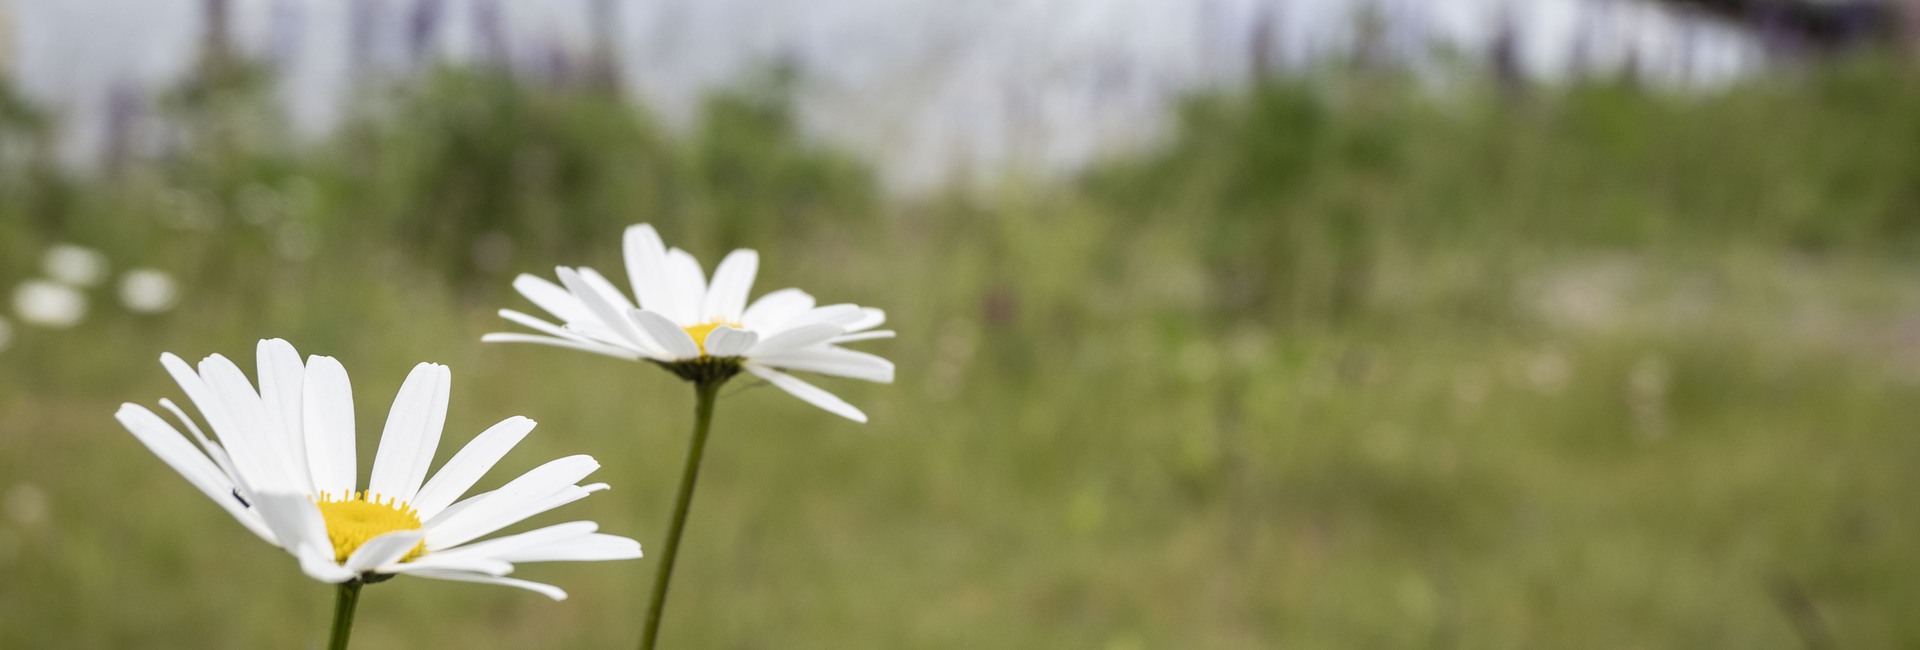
(441, 562)
(647, 268)
(828, 360)
(608, 313)
(251, 438)
(568, 495)
(281, 377)
(863, 336)
(589, 548)
(294, 520)
(212, 448)
(383, 549)
(521, 541)
(590, 336)
(413, 432)
(808, 392)
(174, 450)
(197, 392)
(600, 333)
(775, 308)
(472, 462)
(322, 568)
(511, 503)
(869, 319)
(796, 338)
(551, 297)
(549, 591)
(726, 341)
(454, 510)
(595, 348)
(672, 338)
(575, 335)
(604, 287)
(732, 281)
(687, 284)
(498, 511)
(541, 325)
(327, 401)
(210, 408)
(841, 315)
(297, 523)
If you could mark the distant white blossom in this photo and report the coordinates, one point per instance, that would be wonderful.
(76, 265)
(49, 304)
(148, 291)
(691, 325)
(26, 505)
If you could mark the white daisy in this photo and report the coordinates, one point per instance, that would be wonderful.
(148, 291)
(283, 464)
(49, 304)
(704, 331)
(76, 266)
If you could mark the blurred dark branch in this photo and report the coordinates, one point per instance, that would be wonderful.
(1910, 28)
(1264, 47)
(1823, 25)
(363, 19)
(423, 27)
(1504, 53)
(220, 65)
(489, 28)
(216, 52)
(604, 74)
(1803, 614)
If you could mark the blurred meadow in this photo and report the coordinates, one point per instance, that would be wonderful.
(1341, 361)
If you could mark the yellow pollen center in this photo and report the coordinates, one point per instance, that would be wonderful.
(700, 332)
(363, 516)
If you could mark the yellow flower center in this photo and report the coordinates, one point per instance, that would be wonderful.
(700, 332)
(363, 516)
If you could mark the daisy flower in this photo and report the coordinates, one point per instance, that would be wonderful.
(49, 304)
(703, 330)
(76, 266)
(148, 291)
(282, 462)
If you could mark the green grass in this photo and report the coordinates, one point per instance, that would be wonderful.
(1339, 366)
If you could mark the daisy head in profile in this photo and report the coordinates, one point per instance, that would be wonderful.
(702, 329)
(282, 461)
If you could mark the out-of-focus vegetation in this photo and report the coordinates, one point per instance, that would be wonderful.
(1342, 364)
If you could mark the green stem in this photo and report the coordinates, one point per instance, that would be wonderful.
(706, 392)
(343, 606)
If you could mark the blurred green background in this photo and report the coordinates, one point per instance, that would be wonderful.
(1343, 363)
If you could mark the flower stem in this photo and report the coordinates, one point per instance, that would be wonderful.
(705, 392)
(343, 606)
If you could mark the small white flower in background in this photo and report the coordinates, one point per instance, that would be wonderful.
(6, 334)
(148, 291)
(49, 304)
(704, 330)
(283, 463)
(77, 266)
(26, 505)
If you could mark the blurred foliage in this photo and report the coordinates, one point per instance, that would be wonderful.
(1343, 363)
(472, 167)
(1295, 186)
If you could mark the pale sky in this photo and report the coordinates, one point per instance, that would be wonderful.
(922, 86)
